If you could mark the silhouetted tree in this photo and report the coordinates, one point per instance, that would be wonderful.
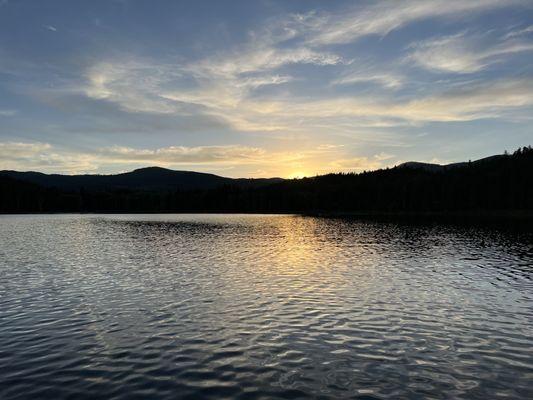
(494, 184)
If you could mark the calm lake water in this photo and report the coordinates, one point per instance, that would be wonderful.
(261, 307)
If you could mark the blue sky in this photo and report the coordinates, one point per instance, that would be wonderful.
(262, 88)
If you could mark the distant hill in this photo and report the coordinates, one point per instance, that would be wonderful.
(158, 178)
(151, 178)
(497, 185)
(440, 167)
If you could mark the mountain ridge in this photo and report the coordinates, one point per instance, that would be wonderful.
(498, 185)
(440, 167)
(149, 178)
(208, 180)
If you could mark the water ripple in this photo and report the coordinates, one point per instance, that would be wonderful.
(262, 307)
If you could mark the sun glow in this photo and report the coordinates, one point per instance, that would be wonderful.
(298, 175)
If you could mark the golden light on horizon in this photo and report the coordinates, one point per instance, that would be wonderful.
(298, 175)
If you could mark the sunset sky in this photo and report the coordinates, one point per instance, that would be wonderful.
(261, 88)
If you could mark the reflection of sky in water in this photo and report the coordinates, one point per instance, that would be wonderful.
(280, 306)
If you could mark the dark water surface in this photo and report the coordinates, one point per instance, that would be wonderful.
(261, 307)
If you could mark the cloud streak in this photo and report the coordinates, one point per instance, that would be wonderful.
(460, 104)
(383, 17)
(230, 86)
(461, 54)
(47, 158)
(365, 78)
(7, 113)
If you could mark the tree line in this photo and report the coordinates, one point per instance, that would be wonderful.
(501, 183)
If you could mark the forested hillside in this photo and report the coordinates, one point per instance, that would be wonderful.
(499, 183)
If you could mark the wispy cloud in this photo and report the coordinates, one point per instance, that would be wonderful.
(356, 164)
(383, 17)
(520, 32)
(224, 85)
(460, 104)
(141, 87)
(21, 149)
(263, 59)
(387, 80)
(47, 158)
(42, 157)
(460, 53)
(134, 85)
(291, 80)
(7, 113)
(485, 100)
(182, 155)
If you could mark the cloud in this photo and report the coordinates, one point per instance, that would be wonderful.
(44, 156)
(461, 54)
(252, 87)
(256, 82)
(219, 86)
(322, 158)
(221, 90)
(90, 116)
(463, 103)
(383, 17)
(263, 59)
(134, 85)
(41, 157)
(306, 161)
(174, 155)
(386, 80)
(7, 113)
(142, 86)
(383, 156)
(487, 100)
(222, 94)
(290, 79)
(354, 164)
(525, 31)
(50, 28)
(15, 150)
(468, 103)
(219, 81)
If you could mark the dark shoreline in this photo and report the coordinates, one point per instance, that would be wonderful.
(495, 188)
(497, 214)
(512, 214)
(521, 219)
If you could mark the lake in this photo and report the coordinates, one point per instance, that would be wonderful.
(262, 307)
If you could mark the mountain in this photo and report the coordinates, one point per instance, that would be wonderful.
(422, 166)
(497, 185)
(151, 178)
(440, 167)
